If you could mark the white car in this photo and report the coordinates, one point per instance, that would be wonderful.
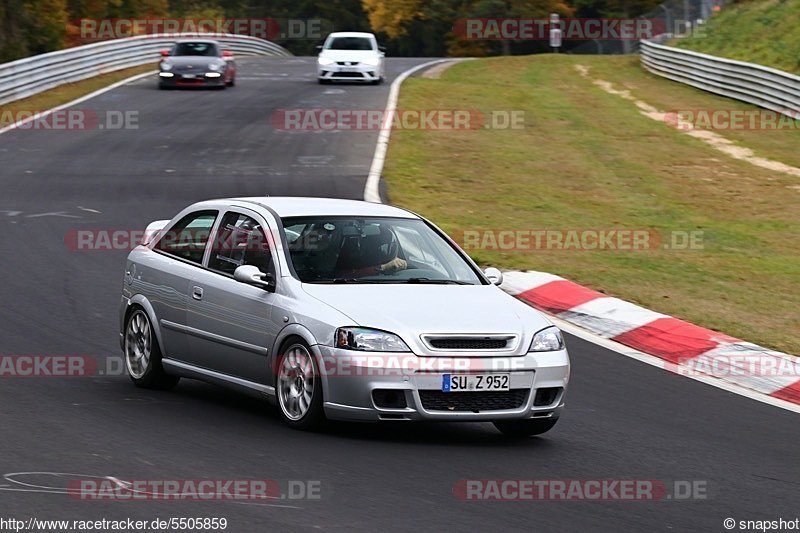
(337, 309)
(350, 56)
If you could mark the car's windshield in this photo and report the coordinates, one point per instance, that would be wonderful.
(372, 250)
(195, 49)
(349, 43)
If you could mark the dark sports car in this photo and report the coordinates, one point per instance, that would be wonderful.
(196, 63)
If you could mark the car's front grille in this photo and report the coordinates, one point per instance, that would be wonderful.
(347, 63)
(348, 75)
(435, 400)
(468, 344)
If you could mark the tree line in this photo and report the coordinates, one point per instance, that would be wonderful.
(420, 28)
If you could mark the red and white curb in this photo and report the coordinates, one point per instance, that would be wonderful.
(684, 348)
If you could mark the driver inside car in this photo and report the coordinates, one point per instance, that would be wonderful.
(373, 251)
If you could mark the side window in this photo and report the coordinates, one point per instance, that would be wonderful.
(241, 241)
(188, 238)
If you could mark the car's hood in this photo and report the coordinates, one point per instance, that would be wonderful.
(410, 310)
(349, 55)
(184, 61)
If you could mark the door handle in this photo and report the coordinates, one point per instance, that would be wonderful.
(197, 292)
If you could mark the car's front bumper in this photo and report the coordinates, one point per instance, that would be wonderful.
(202, 79)
(349, 380)
(348, 73)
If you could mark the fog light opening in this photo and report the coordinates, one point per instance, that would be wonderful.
(546, 396)
(389, 398)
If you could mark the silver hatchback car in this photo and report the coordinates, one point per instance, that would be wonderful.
(336, 309)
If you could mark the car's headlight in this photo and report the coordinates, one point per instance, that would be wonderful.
(166, 65)
(371, 62)
(369, 340)
(325, 61)
(547, 340)
(216, 65)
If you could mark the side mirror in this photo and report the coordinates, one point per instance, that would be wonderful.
(491, 273)
(251, 275)
(318, 47)
(227, 53)
(164, 53)
(382, 48)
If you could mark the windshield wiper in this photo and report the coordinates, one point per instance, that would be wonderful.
(438, 281)
(363, 281)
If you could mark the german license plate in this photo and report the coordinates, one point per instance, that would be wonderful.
(189, 76)
(475, 382)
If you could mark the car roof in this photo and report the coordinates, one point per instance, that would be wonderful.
(351, 34)
(206, 41)
(293, 206)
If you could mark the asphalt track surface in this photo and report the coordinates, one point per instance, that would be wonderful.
(624, 419)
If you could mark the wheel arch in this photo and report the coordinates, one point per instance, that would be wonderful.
(297, 330)
(141, 302)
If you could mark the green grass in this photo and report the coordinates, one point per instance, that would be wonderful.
(588, 159)
(763, 32)
(68, 92)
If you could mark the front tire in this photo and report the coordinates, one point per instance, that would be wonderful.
(298, 386)
(143, 355)
(525, 428)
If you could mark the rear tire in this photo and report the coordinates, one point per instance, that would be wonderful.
(298, 386)
(525, 428)
(143, 355)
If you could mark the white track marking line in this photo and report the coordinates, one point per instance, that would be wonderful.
(77, 101)
(372, 191)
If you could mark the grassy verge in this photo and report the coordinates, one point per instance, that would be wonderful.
(67, 93)
(588, 159)
(763, 32)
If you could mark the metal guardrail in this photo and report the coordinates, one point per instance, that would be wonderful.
(25, 77)
(755, 84)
